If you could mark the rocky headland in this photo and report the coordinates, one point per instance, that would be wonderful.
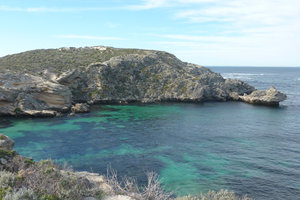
(55, 81)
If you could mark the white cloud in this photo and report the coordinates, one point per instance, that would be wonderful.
(112, 24)
(148, 4)
(254, 31)
(196, 1)
(259, 32)
(244, 12)
(51, 9)
(88, 37)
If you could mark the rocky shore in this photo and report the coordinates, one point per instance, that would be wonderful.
(21, 178)
(52, 81)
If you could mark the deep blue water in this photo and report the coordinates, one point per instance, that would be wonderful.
(253, 150)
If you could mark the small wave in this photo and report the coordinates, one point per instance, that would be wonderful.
(298, 79)
(244, 74)
(247, 76)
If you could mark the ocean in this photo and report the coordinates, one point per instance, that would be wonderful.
(252, 150)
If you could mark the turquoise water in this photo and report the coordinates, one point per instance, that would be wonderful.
(252, 150)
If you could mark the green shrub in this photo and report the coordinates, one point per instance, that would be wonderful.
(2, 193)
(50, 197)
(7, 180)
(8, 153)
(17, 110)
(21, 194)
(29, 161)
(2, 137)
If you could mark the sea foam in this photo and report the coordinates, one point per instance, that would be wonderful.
(243, 76)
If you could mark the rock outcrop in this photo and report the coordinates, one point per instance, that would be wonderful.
(48, 82)
(80, 108)
(6, 150)
(6, 143)
(118, 197)
(24, 94)
(270, 97)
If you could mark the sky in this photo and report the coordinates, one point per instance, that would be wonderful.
(205, 32)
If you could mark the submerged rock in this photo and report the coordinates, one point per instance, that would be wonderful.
(270, 97)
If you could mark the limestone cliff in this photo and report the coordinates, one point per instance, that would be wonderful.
(47, 82)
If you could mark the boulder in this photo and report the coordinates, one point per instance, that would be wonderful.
(118, 197)
(90, 198)
(6, 143)
(270, 97)
(94, 178)
(80, 108)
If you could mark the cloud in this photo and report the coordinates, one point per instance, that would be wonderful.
(51, 9)
(250, 50)
(148, 4)
(269, 24)
(245, 13)
(88, 37)
(152, 4)
(112, 24)
(259, 31)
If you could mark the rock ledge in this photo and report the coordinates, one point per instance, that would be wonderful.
(270, 97)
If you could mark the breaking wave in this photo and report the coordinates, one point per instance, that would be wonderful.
(243, 76)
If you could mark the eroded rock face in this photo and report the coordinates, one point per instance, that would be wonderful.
(270, 97)
(24, 94)
(76, 80)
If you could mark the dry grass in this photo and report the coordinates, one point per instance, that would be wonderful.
(129, 187)
(213, 195)
(45, 177)
(46, 181)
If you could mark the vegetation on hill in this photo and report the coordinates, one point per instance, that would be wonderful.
(62, 59)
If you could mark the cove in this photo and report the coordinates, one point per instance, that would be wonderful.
(193, 147)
